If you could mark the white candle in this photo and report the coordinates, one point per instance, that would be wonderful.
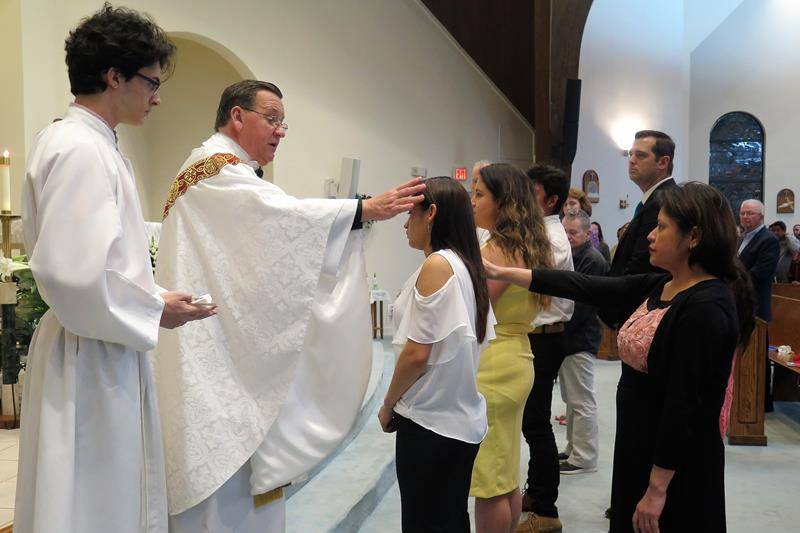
(5, 182)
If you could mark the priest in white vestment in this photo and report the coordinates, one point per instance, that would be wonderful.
(258, 396)
(91, 458)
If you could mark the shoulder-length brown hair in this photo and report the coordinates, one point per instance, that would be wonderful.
(579, 195)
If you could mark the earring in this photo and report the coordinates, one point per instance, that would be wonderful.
(429, 227)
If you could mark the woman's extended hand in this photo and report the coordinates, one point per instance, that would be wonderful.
(648, 510)
(385, 418)
(492, 270)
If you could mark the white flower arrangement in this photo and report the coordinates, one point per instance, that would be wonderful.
(8, 267)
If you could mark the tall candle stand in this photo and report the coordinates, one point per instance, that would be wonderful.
(9, 356)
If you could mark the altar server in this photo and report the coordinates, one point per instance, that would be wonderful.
(90, 449)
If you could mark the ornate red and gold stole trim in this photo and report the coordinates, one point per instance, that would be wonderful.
(203, 169)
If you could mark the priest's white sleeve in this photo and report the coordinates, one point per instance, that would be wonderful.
(337, 240)
(331, 378)
(80, 262)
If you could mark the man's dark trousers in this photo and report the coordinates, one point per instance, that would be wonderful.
(549, 350)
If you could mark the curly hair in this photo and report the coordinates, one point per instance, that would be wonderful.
(114, 37)
(519, 230)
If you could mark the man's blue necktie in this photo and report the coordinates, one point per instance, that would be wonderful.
(639, 207)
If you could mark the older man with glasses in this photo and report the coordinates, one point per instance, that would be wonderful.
(759, 252)
(262, 395)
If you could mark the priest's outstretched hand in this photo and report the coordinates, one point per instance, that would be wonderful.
(179, 309)
(393, 202)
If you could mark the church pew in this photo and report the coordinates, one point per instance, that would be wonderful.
(747, 410)
(608, 345)
(785, 329)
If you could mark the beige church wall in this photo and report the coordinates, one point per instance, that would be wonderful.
(632, 71)
(749, 63)
(182, 121)
(12, 130)
(374, 79)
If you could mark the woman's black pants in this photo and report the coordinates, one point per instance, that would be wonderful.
(433, 473)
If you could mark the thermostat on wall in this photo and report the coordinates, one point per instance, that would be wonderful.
(419, 172)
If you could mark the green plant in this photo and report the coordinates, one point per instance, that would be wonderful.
(30, 306)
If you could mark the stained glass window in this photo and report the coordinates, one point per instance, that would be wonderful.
(736, 161)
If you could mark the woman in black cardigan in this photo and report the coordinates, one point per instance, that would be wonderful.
(677, 350)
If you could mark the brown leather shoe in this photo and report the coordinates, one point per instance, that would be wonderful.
(539, 524)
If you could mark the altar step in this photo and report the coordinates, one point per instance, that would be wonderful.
(341, 494)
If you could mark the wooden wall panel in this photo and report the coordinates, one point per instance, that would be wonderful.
(498, 35)
(529, 49)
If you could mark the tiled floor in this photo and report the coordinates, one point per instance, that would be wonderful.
(761, 482)
(9, 450)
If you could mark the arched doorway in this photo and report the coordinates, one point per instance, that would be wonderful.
(736, 158)
(185, 118)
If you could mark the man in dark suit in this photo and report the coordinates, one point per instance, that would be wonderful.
(650, 165)
(759, 252)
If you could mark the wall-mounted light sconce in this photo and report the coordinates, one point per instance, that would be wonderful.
(622, 131)
(623, 202)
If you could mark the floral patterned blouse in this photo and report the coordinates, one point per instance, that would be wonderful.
(636, 335)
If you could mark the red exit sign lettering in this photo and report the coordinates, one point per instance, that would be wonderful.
(460, 173)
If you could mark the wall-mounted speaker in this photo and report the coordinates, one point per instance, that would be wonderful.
(565, 152)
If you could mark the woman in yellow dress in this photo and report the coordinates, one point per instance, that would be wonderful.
(504, 204)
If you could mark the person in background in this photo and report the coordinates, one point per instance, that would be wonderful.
(442, 320)
(677, 349)
(577, 199)
(503, 204)
(620, 232)
(576, 376)
(596, 234)
(787, 251)
(651, 160)
(759, 251)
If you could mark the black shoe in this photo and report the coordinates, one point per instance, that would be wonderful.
(527, 502)
(608, 513)
(563, 457)
(569, 468)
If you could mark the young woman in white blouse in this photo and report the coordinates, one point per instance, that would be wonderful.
(442, 319)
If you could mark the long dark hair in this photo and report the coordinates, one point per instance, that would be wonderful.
(701, 206)
(599, 231)
(453, 228)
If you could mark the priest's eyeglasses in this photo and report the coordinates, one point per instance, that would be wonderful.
(272, 120)
(155, 84)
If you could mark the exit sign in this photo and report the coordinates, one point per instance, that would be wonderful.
(460, 173)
